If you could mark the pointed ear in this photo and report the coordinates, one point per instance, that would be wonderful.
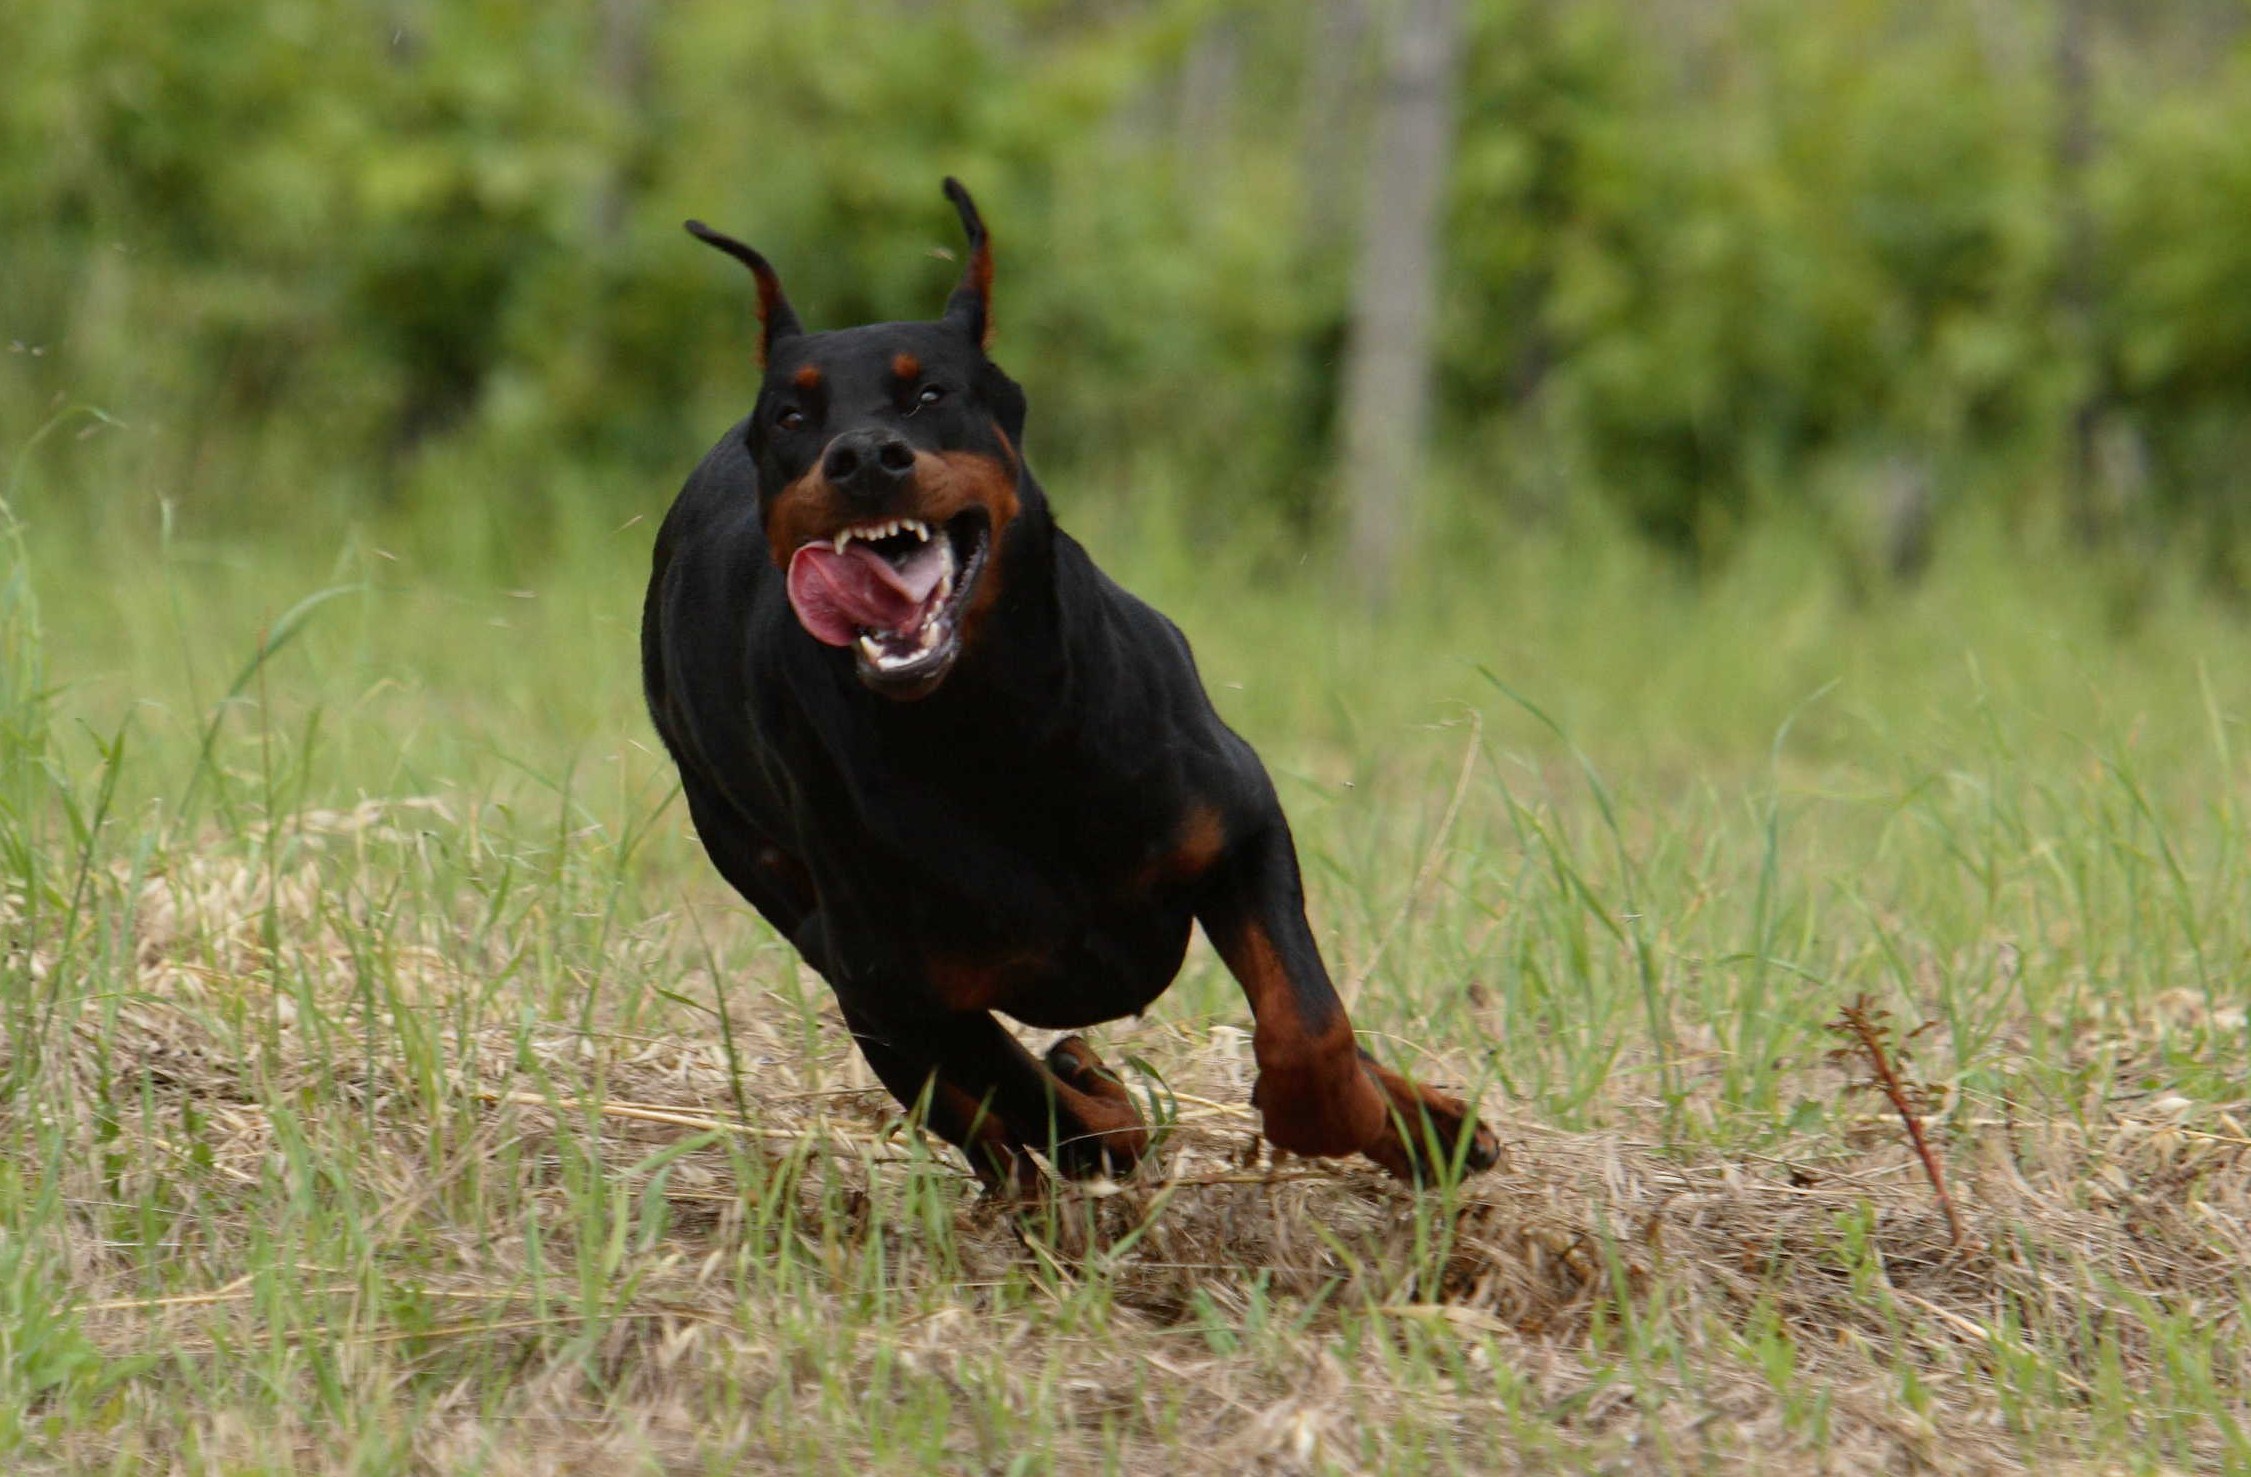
(971, 305)
(775, 315)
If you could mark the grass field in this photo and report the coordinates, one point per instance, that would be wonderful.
(389, 1084)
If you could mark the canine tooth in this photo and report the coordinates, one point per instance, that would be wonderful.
(843, 537)
(921, 529)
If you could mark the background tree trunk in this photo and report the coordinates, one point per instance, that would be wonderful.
(2075, 288)
(1386, 411)
(1336, 77)
(625, 68)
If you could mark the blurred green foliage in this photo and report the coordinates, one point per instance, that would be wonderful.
(1705, 263)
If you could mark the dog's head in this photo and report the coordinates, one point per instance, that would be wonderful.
(888, 471)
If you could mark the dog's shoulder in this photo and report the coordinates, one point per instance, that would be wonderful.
(1140, 693)
(724, 483)
(1119, 633)
(710, 586)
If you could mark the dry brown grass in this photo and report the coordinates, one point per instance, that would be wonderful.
(337, 1186)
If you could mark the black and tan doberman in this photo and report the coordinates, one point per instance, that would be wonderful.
(965, 773)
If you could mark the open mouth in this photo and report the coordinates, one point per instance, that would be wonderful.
(893, 591)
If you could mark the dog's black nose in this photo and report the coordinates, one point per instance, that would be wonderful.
(868, 465)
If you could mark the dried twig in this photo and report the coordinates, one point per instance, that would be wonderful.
(1867, 1026)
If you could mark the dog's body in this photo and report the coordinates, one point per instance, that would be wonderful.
(1012, 794)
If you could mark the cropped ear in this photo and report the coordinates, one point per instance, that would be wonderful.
(971, 306)
(775, 315)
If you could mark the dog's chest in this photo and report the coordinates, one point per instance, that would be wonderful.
(1029, 850)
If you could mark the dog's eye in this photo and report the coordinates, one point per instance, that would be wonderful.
(791, 420)
(930, 395)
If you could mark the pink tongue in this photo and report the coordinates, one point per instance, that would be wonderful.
(837, 596)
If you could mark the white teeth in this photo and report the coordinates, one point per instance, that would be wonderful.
(890, 658)
(915, 526)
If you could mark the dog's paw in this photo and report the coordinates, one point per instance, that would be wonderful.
(1099, 1131)
(1430, 1135)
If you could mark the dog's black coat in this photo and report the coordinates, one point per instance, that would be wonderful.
(1005, 813)
(1033, 833)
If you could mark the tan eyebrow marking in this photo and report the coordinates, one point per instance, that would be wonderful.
(906, 366)
(808, 378)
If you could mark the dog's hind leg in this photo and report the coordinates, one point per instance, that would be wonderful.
(993, 1100)
(1106, 1134)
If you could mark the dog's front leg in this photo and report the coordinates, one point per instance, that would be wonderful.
(926, 1066)
(1317, 1092)
(984, 1093)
